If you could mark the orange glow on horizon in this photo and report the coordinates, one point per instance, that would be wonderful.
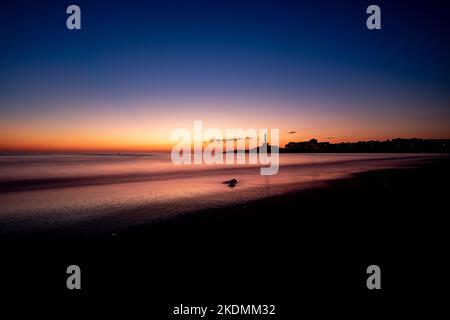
(147, 128)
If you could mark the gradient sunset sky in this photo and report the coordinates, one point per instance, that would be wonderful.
(137, 70)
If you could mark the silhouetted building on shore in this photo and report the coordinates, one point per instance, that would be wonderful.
(394, 145)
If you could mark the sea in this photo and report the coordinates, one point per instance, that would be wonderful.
(107, 192)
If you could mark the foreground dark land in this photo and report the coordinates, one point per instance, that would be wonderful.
(306, 251)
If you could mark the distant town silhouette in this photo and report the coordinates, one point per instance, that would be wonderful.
(393, 145)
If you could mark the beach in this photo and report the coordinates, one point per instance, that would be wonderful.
(84, 195)
(315, 241)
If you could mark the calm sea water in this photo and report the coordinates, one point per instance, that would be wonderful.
(105, 192)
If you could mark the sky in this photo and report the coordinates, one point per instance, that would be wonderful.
(137, 70)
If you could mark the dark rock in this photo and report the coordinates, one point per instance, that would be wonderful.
(231, 183)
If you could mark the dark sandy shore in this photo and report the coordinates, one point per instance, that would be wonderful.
(297, 250)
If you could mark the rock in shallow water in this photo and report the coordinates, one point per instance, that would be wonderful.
(231, 183)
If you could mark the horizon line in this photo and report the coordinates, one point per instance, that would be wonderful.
(162, 150)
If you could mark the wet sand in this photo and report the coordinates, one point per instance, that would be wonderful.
(304, 248)
(76, 195)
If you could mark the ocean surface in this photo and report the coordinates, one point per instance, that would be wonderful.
(109, 192)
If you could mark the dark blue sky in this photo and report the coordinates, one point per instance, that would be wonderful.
(305, 57)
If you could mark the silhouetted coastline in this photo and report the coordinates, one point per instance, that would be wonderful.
(413, 145)
(398, 145)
